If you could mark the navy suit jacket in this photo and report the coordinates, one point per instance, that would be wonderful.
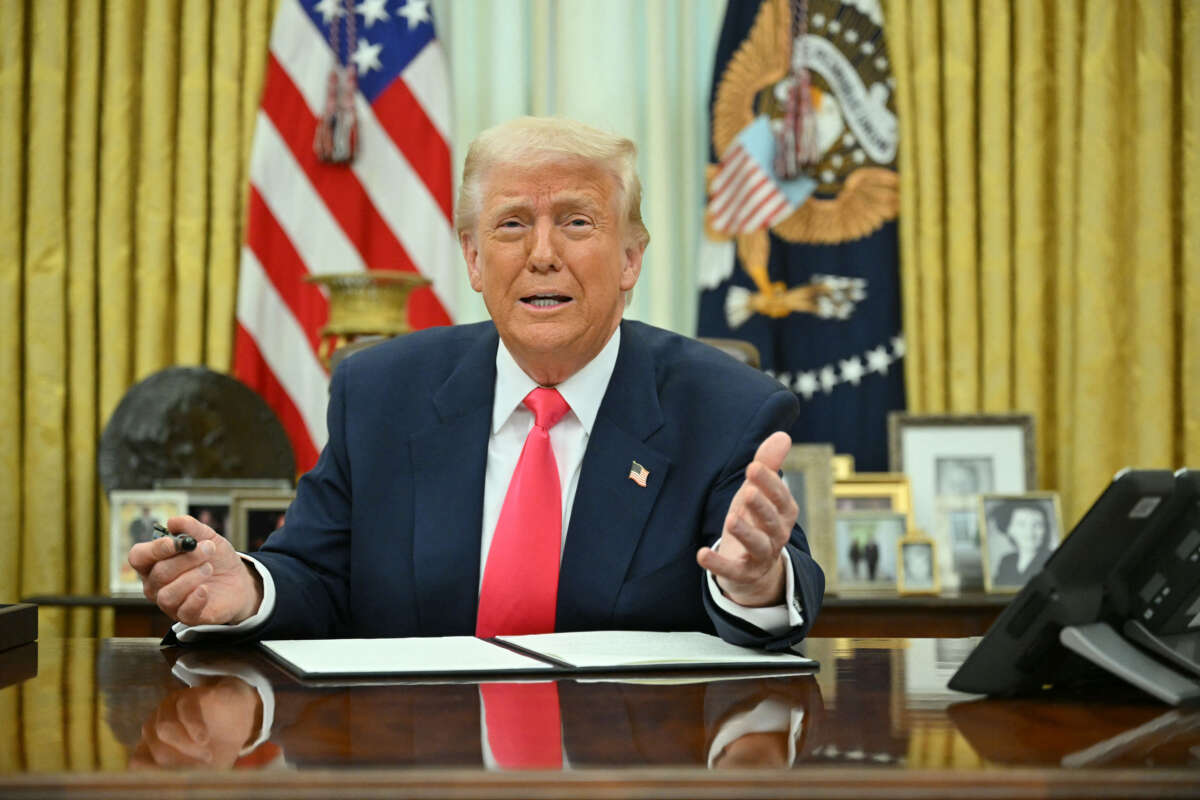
(383, 538)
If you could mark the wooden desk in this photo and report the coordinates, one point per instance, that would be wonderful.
(108, 718)
(965, 615)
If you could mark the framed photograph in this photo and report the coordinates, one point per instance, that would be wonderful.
(918, 566)
(1019, 532)
(132, 515)
(209, 499)
(255, 515)
(960, 553)
(874, 491)
(960, 456)
(867, 548)
(808, 473)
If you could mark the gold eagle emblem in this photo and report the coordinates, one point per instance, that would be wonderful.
(857, 191)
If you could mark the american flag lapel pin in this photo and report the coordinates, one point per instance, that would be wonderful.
(638, 474)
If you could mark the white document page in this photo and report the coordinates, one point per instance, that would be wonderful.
(616, 649)
(436, 655)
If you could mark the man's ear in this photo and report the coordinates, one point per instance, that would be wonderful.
(471, 254)
(631, 270)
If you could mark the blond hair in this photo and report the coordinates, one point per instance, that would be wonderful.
(541, 140)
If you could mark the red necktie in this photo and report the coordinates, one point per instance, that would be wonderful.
(520, 580)
(524, 724)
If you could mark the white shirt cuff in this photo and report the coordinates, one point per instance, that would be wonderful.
(769, 716)
(191, 675)
(189, 633)
(772, 620)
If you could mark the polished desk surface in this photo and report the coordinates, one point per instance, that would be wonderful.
(118, 718)
(967, 614)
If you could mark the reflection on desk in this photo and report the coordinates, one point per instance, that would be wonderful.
(874, 719)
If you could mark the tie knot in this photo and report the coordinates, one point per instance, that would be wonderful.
(547, 405)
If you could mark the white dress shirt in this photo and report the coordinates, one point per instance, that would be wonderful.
(511, 422)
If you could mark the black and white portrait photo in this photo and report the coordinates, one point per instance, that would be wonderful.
(1020, 533)
(957, 476)
(918, 567)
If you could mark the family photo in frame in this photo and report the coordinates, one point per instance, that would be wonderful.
(867, 551)
(255, 515)
(951, 461)
(132, 516)
(1019, 534)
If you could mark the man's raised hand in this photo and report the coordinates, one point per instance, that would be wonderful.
(749, 568)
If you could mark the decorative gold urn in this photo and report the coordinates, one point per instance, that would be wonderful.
(365, 306)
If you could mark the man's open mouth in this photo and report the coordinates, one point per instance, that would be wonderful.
(545, 300)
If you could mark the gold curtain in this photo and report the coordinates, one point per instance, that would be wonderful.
(1050, 224)
(125, 131)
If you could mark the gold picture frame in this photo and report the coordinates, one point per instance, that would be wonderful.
(874, 491)
(808, 472)
(843, 466)
(1005, 570)
(917, 566)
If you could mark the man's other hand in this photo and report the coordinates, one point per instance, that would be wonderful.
(749, 567)
(211, 585)
(202, 726)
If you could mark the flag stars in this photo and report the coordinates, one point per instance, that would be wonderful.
(828, 379)
(878, 360)
(329, 10)
(806, 384)
(372, 11)
(366, 57)
(416, 12)
(852, 370)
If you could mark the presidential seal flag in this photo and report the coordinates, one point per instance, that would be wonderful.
(350, 171)
(800, 256)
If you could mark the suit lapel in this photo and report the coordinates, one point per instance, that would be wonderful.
(610, 510)
(449, 460)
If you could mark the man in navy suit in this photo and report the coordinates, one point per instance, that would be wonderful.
(674, 514)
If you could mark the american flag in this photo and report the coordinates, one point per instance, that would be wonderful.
(639, 474)
(746, 196)
(390, 208)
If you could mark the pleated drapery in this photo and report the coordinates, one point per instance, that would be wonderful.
(1050, 224)
(124, 137)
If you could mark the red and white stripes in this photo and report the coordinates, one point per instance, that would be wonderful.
(391, 209)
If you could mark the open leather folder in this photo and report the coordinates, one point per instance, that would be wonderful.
(549, 654)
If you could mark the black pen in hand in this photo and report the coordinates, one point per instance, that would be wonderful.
(183, 542)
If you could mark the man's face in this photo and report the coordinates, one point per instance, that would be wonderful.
(550, 256)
